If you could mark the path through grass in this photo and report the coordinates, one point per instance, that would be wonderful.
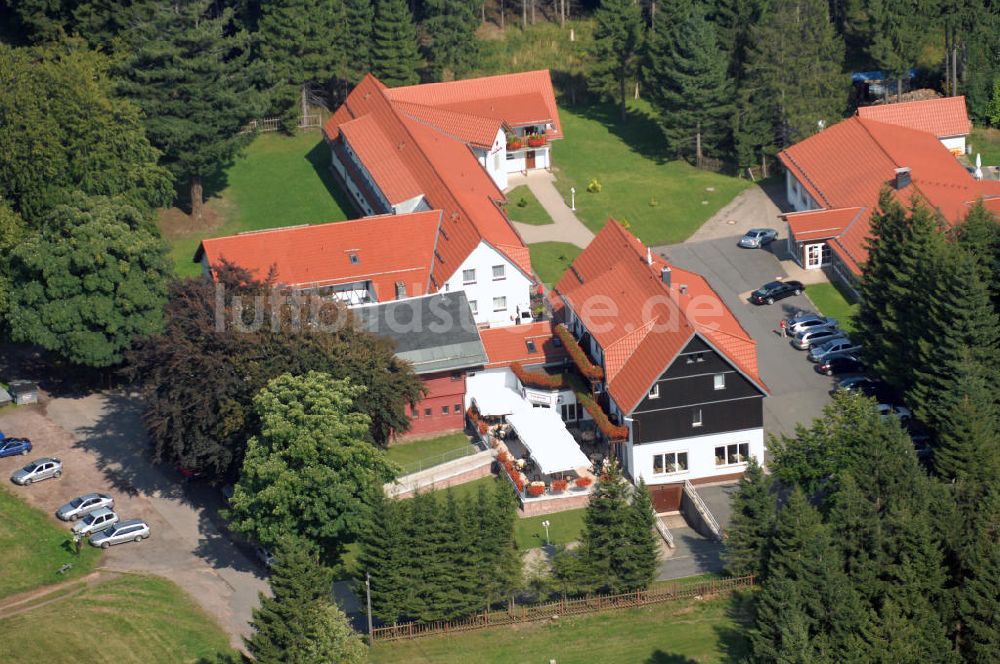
(550, 259)
(531, 212)
(672, 632)
(33, 548)
(138, 619)
(663, 201)
(279, 181)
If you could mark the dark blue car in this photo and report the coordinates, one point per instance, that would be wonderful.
(14, 446)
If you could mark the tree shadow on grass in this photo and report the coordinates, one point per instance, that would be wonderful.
(319, 158)
(734, 638)
(639, 131)
(660, 657)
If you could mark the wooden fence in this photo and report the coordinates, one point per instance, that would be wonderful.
(264, 125)
(568, 607)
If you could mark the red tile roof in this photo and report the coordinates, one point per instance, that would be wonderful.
(943, 117)
(446, 171)
(615, 287)
(507, 345)
(472, 129)
(389, 248)
(516, 99)
(381, 159)
(820, 224)
(846, 166)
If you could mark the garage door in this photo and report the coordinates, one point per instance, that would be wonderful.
(666, 497)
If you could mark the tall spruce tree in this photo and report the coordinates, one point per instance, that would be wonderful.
(452, 47)
(458, 548)
(750, 527)
(394, 56)
(967, 425)
(189, 71)
(979, 597)
(687, 83)
(794, 79)
(896, 38)
(857, 529)
(617, 42)
(384, 558)
(638, 567)
(359, 22)
(602, 552)
(301, 45)
(979, 234)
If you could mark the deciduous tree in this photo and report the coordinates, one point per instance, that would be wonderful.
(93, 280)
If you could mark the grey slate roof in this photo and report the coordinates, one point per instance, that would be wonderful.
(433, 332)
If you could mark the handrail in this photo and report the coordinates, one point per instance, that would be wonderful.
(665, 533)
(706, 514)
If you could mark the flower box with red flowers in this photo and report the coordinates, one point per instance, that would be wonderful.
(514, 144)
(535, 490)
(584, 482)
(536, 141)
(558, 486)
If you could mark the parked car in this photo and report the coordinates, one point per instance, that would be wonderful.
(902, 413)
(870, 387)
(840, 364)
(83, 505)
(97, 520)
(805, 321)
(264, 555)
(814, 337)
(758, 237)
(38, 470)
(130, 530)
(835, 345)
(14, 446)
(770, 292)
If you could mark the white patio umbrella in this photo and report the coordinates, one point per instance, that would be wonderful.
(979, 167)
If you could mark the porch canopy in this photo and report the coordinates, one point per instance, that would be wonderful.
(544, 434)
(492, 396)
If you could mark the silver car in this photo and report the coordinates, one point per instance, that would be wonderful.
(835, 345)
(808, 338)
(38, 470)
(758, 237)
(84, 505)
(803, 322)
(98, 520)
(130, 530)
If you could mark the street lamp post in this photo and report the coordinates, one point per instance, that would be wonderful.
(368, 593)
(572, 199)
(546, 524)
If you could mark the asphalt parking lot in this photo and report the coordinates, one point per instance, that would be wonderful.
(798, 393)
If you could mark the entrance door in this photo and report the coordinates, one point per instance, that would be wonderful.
(529, 160)
(814, 255)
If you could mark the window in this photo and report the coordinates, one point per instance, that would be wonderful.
(468, 276)
(457, 376)
(458, 408)
(720, 381)
(532, 348)
(571, 412)
(728, 455)
(415, 414)
(696, 417)
(499, 273)
(444, 410)
(500, 304)
(353, 258)
(474, 306)
(671, 462)
(699, 357)
(427, 412)
(655, 392)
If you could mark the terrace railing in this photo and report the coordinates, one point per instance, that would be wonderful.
(702, 509)
(438, 459)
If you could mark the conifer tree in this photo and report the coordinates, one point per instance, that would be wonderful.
(979, 598)
(189, 71)
(429, 571)
(298, 581)
(857, 531)
(979, 234)
(506, 573)
(751, 523)
(638, 567)
(967, 423)
(394, 56)
(360, 17)
(384, 555)
(605, 530)
(687, 83)
(617, 41)
(458, 551)
(896, 37)
(300, 44)
(794, 71)
(451, 29)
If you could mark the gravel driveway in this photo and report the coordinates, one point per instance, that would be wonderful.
(102, 444)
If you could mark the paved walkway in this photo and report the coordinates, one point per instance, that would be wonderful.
(565, 227)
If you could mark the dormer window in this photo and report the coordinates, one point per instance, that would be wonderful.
(353, 258)
(531, 346)
(655, 392)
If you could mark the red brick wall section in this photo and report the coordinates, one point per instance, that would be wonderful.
(437, 412)
(554, 505)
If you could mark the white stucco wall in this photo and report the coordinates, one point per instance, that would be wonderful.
(516, 160)
(493, 160)
(515, 286)
(798, 197)
(954, 143)
(701, 456)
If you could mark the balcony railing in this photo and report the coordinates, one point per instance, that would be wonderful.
(587, 369)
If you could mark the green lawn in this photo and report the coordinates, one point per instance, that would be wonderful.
(550, 259)
(280, 181)
(411, 456)
(524, 207)
(662, 201)
(129, 619)
(33, 548)
(830, 301)
(987, 143)
(564, 527)
(687, 632)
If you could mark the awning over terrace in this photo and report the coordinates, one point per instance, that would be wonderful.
(492, 396)
(543, 432)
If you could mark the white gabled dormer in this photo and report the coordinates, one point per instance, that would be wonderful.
(494, 160)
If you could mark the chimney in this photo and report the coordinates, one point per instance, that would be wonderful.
(902, 177)
(665, 276)
(684, 289)
(649, 256)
